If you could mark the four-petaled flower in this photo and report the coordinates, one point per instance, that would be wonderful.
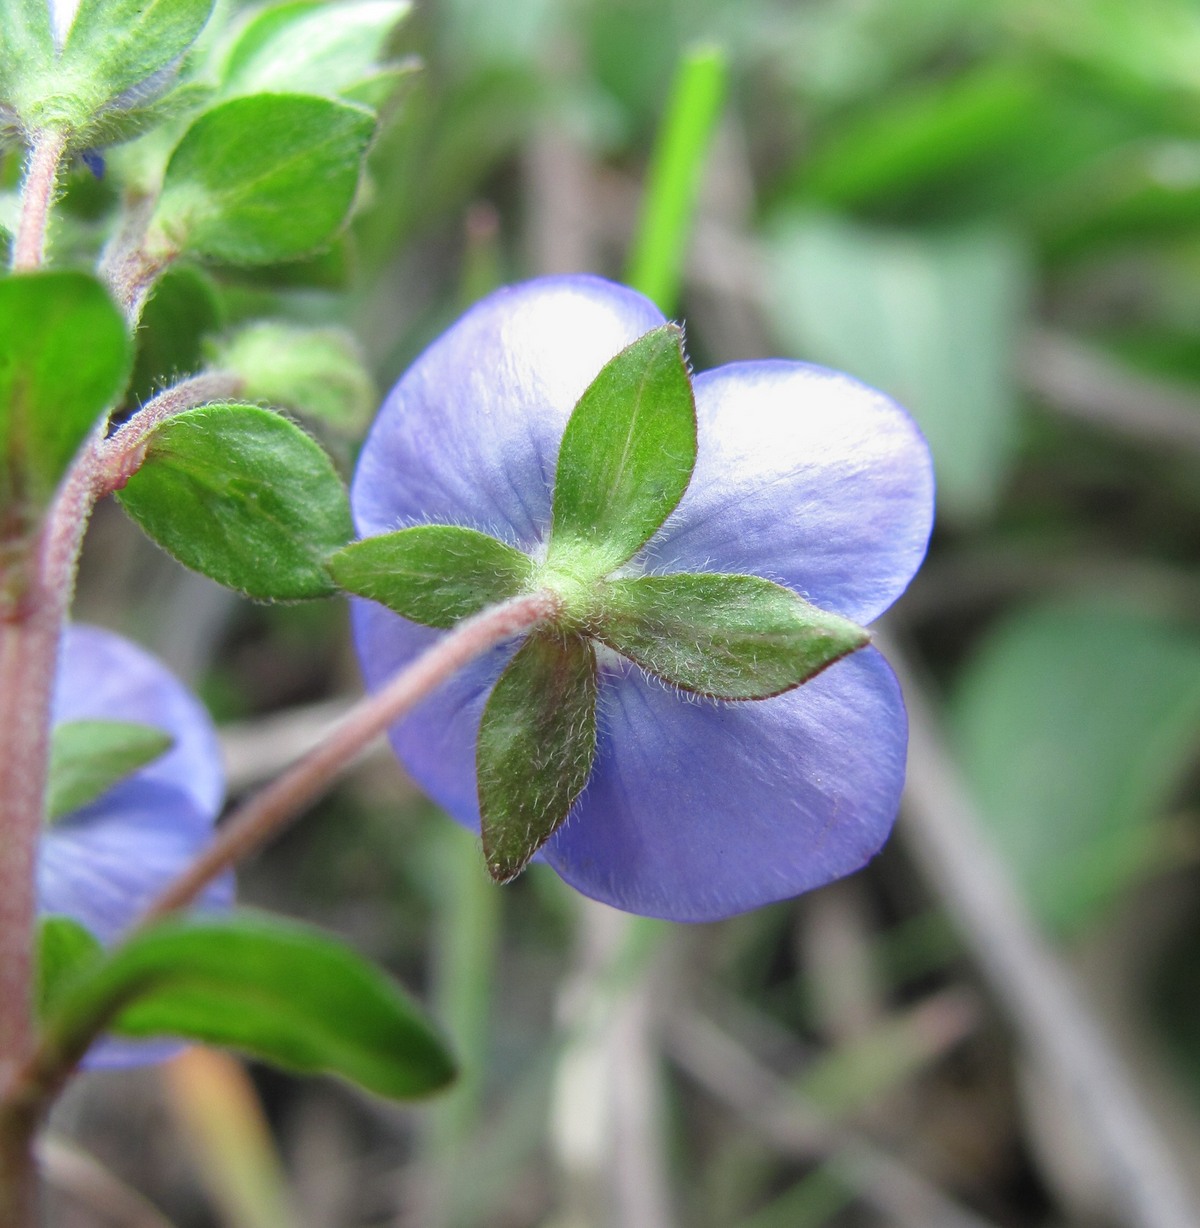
(695, 809)
(104, 863)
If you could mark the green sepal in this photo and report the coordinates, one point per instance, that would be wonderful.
(725, 636)
(118, 56)
(537, 741)
(305, 46)
(66, 952)
(117, 45)
(245, 497)
(435, 574)
(317, 372)
(280, 992)
(263, 178)
(88, 757)
(626, 457)
(64, 358)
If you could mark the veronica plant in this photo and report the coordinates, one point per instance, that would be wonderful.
(699, 726)
(617, 612)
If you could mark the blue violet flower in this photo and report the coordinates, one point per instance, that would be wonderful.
(104, 863)
(693, 798)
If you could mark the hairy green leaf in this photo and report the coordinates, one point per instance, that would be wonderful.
(245, 497)
(436, 574)
(536, 744)
(731, 637)
(263, 178)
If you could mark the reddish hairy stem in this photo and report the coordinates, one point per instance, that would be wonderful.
(42, 578)
(119, 457)
(37, 195)
(265, 814)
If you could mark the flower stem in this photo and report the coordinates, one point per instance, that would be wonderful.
(127, 266)
(37, 195)
(265, 814)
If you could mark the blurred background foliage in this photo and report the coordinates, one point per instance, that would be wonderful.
(988, 208)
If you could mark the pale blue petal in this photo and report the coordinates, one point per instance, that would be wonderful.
(697, 810)
(105, 863)
(807, 477)
(470, 434)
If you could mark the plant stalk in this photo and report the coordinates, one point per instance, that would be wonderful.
(270, 810)
(37, 196)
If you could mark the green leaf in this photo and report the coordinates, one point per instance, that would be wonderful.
(730, 637)
(245, 497)
(263, 178)
(436, 574)
(115, 45)
(1076, 722)
(66, 951)
(933, 319)
(310, 47)
(627, 455)
(64, 358)
(183, 308)
(88, 757)
(318, 372)
(280, 992)
(536, 744)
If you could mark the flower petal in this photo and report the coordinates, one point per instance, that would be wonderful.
(470, 434)
(699, 810)
(105, 863)
(695, 810)
(102, 676)
(806, 477)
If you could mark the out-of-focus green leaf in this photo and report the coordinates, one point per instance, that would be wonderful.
(64, 357)
(245, 497)
(66, 950)
(280, 992)
(263, 178)
(1075, 722)
(183, 309)
(311, 47)
(1000, 140)
(88, 757)
(933, 319)
(318, 372)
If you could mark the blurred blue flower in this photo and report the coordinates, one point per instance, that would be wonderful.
(695, 809)
(103, 864)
